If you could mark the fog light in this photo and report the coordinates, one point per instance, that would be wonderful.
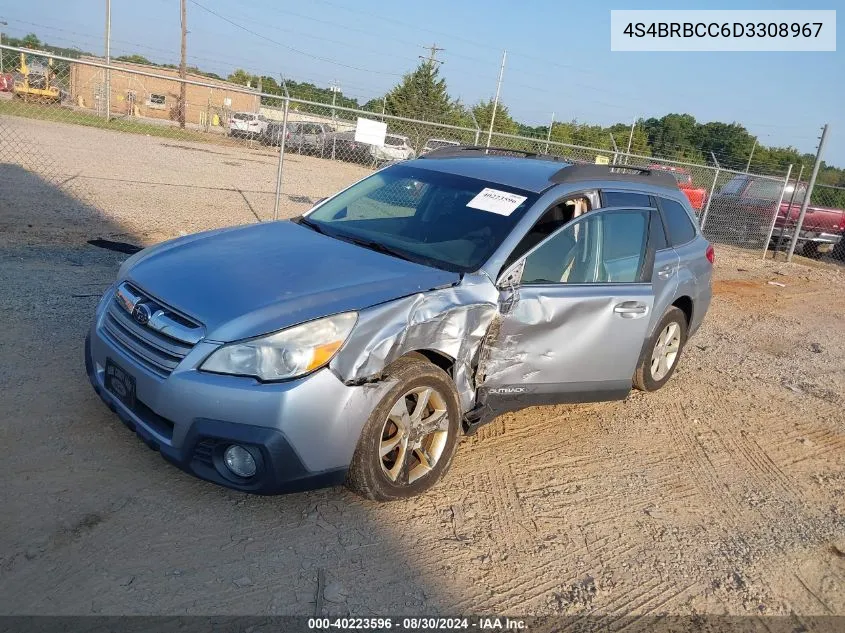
(239, 461)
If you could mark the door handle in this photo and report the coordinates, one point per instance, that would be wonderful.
(630, 309)
(666, 272)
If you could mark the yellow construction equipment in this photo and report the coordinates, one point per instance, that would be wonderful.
(37, 82)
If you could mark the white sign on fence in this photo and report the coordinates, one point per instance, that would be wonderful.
(370, 132)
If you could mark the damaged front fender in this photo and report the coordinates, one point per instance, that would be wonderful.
(452, 321)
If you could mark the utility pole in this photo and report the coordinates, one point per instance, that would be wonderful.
(335, 88)
(549, 135)
(496, 100)
(630, 141)
(432, 54)
(183, 70)
(751, 155)
(809, 193)
(108, 59)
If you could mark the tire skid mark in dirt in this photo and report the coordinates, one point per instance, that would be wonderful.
(700, 465)
(509, 517)
(528, 579)
(536, 581)
(766, 471)
(662, 595)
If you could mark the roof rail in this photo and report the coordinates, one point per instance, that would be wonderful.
(457, 151)
(621, 173)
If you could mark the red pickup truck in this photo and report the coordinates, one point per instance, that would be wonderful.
(696, 195)
(742, 211)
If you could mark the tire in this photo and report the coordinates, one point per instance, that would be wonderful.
(402, 472)
(645, 378)
(811, 250)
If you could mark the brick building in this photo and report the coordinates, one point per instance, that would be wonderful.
(138, 95)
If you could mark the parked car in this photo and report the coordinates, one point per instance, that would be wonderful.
(247, 124)
(302, 136)
(697, 195)
(437, 143)
(396, 147)
(357, 343)
(743, 210)
(342, 145)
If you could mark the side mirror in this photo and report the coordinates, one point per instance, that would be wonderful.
(512, 276)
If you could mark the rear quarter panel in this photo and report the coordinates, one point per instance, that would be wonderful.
(695, 278)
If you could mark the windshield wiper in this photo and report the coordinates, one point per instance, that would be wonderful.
(376, 246)
(302, 220)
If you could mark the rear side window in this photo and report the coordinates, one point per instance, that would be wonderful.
(678, 224)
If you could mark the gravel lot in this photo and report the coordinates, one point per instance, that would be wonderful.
(723, 493)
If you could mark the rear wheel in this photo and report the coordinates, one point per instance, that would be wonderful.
(811, 250)
(409, 440)
(660, 355)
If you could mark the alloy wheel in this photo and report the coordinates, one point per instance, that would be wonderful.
(414, 435)
(665, 351)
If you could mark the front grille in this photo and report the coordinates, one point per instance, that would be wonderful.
(157, 351)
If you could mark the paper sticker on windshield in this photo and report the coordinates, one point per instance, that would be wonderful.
(496, 201)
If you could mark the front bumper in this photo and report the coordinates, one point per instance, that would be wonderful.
(303, 431)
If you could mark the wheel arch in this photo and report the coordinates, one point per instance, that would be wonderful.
(435, 357)
(684, 304)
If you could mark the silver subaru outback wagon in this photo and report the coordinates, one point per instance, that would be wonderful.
(359, 342)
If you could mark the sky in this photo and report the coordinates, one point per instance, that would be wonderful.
(558, 56)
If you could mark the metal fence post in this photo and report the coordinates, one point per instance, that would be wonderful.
(615, 148)
(810, 186)
(789, 212)
(709, 199)
(281, 160)
(477, 127)
(777, 211)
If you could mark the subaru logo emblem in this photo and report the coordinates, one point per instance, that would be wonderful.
(142, 313)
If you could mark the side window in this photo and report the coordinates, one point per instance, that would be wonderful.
(625, 199)
(678, 224)
(734, 186)
(554, 218)
(604, 247)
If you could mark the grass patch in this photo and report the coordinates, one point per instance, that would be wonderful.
(46, 112)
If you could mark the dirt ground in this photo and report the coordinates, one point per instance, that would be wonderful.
(723, 493)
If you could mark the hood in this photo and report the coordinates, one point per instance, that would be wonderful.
(261, 278)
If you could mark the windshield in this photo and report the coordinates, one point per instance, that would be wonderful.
(396, 141)
(242, 116)
(423, 216)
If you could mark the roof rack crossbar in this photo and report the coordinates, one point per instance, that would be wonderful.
(621, 173)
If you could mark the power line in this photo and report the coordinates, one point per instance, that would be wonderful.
(290, 48)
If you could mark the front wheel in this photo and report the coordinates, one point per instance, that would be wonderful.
(409, 440)
(661, 353)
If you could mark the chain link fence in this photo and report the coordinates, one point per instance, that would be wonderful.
(130, 138)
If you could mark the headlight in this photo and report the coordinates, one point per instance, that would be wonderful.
(285, 354)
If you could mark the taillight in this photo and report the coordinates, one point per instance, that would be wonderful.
(710, 254)
(842, 222)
